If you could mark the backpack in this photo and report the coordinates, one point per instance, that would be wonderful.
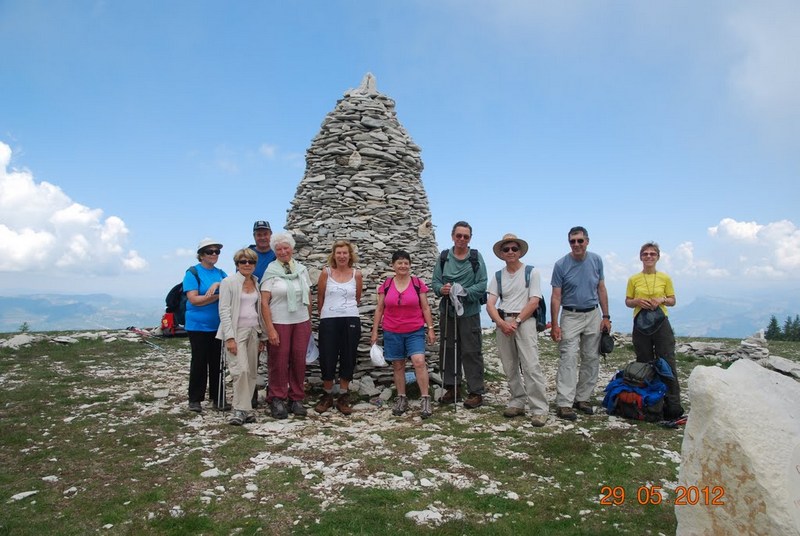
(638, 374)
(176, 303)
(473, 260)
(637, 393)
(541, 311)
(630, 405)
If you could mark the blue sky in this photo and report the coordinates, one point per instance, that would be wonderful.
(131, 130)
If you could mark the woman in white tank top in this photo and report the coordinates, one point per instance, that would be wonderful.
(339, 293)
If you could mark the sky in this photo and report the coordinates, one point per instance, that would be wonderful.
(130, 130)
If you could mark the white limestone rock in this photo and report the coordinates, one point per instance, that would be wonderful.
(743, 438)
(18, 340)
(783, 365)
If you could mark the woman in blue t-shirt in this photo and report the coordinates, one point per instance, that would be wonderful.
(201, 286)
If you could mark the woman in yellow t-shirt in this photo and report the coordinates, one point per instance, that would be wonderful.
(651, 291)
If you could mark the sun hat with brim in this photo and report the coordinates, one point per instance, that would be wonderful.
(510, 237)
(204, 243)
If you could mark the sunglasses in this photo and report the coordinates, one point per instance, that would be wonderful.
(577, 240)
(211, 252)
(510, 248)
(649, 254)
(463, 236)
(246, 261)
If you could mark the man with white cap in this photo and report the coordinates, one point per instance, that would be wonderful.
(514, 294)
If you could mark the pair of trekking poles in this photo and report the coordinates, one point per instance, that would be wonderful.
(221, 386)
(443, 346)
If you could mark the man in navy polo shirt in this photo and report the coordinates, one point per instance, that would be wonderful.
(262, 233)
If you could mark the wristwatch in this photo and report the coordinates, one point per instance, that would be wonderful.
(518, 320)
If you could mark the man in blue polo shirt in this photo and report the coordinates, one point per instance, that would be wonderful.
(262, 233)
(578, 289)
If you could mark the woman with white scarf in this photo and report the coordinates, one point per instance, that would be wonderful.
(286, 308)
(242, 331)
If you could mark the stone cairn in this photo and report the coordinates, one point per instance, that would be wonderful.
(362, 183)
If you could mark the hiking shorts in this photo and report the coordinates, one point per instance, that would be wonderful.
(403, 345)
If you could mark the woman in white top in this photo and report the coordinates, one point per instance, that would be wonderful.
(242, 330)
(338, 296)
(286, 306)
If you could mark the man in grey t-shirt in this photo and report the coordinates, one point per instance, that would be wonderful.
(578, 288)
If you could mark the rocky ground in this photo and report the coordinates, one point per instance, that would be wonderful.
(330, 451)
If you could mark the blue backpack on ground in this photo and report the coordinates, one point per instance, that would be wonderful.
(637, 391)
(541, 311)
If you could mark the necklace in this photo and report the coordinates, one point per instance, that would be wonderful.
(650, 291)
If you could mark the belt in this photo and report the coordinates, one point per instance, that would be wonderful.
(504, 314)
(576, 310)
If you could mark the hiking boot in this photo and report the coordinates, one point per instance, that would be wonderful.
(278, 409)
(325, 403)
(238, 418)
(449, 396)
(584, 407)
(474, 400)
(425, 407)
(512, 412)
(539, 420)
(250, 418)
(296, 407)
(566, 412)
(196, 407)
(400, 405)
(224, 407)
(343, 404)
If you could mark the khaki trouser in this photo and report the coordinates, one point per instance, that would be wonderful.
(244, 367)
(580, 340)
(519, 354)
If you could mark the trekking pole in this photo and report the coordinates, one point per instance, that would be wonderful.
(443, 348)
(221, 385)
(456, 382)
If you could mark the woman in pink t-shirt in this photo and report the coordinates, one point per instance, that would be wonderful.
(403, 308)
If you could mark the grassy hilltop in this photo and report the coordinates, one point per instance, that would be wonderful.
(83, 430)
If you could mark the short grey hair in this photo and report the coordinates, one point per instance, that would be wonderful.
(282, 238)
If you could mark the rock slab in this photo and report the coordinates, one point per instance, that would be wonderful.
(742, 437)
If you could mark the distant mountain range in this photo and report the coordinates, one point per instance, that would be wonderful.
(705, 316)
(708, 316)
(54, 312)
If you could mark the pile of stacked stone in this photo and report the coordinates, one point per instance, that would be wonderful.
(753, 347)
(362, 183)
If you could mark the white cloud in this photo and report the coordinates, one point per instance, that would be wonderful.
(41, 227)
(769, 250)
(614, 269)
(737, 230)
(268, 151)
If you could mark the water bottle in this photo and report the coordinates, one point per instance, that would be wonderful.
(411, 377)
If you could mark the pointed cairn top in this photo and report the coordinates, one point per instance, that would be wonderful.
(369, 86)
